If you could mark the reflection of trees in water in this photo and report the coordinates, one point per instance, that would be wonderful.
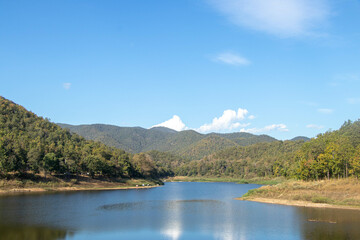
(330, 224)
(31, 233)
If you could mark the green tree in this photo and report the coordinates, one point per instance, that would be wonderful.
(4, 164)
(94, 165)
(355, 163)
(35, 155)
(50, 163)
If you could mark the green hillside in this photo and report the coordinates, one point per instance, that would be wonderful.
(257, 160)
(206, 146)
(178, 142)
(334, 154)
(245, 139)
(167, 163)
(189, 144)
(305, 139)
(132, 139)
(29, 143)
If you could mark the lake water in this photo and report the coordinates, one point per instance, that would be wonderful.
(174, 211)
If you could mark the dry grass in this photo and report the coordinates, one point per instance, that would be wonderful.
(53, 183)
(336, 192)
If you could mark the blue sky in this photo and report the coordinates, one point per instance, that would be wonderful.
(282, 68)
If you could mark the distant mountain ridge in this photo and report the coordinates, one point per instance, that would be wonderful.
(305, 139)
(189, 143)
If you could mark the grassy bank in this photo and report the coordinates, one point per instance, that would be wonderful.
(262, 181)
(37, 183)
(339, 192)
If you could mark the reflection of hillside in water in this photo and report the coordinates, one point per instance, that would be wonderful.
(325, 224)
(175, 211)
(31, 233)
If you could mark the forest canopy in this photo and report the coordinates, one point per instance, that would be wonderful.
(31, 143)
(334, 154)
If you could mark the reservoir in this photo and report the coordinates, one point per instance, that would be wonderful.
(177, 210)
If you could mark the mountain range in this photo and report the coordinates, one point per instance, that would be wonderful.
(189, 143)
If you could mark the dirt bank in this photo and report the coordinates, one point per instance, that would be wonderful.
(339, 193)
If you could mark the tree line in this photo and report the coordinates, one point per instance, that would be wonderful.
(29, 143)
(257, 160)
(334, 154)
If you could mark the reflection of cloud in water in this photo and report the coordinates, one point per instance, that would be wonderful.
(176, 213)
(164, 213)
(226, 230)
(173, 230)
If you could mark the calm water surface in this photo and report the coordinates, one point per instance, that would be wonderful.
(174, 211)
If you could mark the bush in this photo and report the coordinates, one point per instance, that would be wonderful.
(73, 182)
(254, 192)
(320, 199)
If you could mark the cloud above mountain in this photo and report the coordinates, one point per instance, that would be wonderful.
(230, 120)
(283, 18)
(174, 123)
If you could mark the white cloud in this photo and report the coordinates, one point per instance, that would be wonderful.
(174, 123)
(232, 59)
(229, 120)
(314, 126)
(67, 86)
(274, 127)
(285, 18)
(353, 100)
(325, 110)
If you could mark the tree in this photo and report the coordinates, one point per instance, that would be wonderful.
(50, 163)
(35, 155)
(95, 165)
(4, 164)
(145, 165)
(346, 151)
(355, 163)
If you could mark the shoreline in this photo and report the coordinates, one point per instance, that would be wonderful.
(259, 180)
(333, 193)
(14, 191)
(297, 203)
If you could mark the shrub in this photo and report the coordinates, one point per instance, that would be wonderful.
(320, 199)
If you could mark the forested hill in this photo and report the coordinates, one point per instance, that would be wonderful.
(334, 154)
(305, 139)
(258, 160)
(31, 143)
(188, 144)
